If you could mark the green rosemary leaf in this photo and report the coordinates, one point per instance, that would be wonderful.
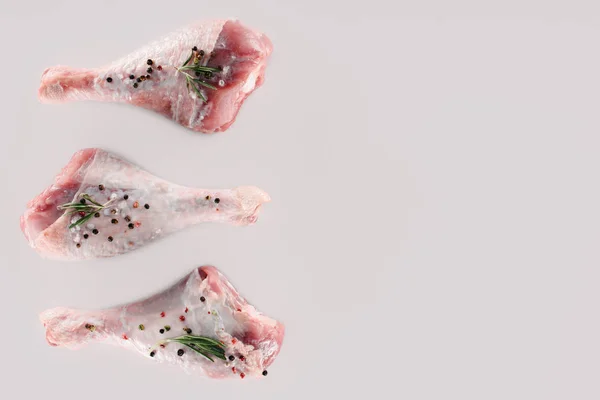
(81, 220)
(208, 85)
(199, 68)
(198, 92)
(205, 346)
(88, 198)
(188, 59)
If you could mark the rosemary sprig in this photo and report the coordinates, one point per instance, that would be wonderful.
(189, 70)
(203, 345)
(89, 208)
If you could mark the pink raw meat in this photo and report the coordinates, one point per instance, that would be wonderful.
(141, 208)
(202, 304)
(159, 85)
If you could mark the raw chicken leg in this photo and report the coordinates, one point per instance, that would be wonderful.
(227, 63)
(101, 205)
(202, 309)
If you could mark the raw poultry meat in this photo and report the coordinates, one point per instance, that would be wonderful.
(198, 76)
(101, 205)
(201, 324)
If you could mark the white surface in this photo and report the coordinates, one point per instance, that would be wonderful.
(434, 173)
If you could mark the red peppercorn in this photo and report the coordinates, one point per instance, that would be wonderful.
(162, 314)
(186, 309)
(233, 341)
(233, 369)
(242, 358)
(159, 67)
(181, 318)
(242, 375)
(125, 337)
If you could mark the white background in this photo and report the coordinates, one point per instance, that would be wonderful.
(434, 226)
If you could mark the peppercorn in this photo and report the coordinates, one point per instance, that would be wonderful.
(95, 231)
(231, 358)
(265, 372)
(101, 187)
(146, 206)
(152, 353)
(82, 201)
(188, 331)
(149, 70)
(202, 299)
(147, 76)
(201, 53)
(167, 328)
(208, 75)
(180, 352)
(220, 68)
(149, 62)
(159, 67)
(194, 48)
(128, 218)
(114, 221)
(136, 204)
(217, 200)
(125, 197)
(97, 215)
(78, 245)
(85, 236)
(131, 76)
(113, 211)
(161, 330)
(135, 85)
(130, 226)
(139, 79)
(110, 238)
(142, 327)
(109, 79)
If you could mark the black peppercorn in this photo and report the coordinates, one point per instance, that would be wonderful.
(217, 200)
(110, 238)
(208, 75)
(152, 353)
(135, 85)
(231, 358)
(197, 73)
(265, 372)
(95, 231)
(188, 331)
(82, 201)
(139, 79)
(161, 330)
(180, 352)
(97, 215)
(101, 187)
(147, 76)
(130, 226)
(194, 48)
(128, 218)
(220, 68)
(149, 62)
(131, 76)
(201, 52)
(146, 206)
(109, 79)
(78, 245)
(149, 70)
(202, 299)
(86, 236)
(114, 221)
(125, 197)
